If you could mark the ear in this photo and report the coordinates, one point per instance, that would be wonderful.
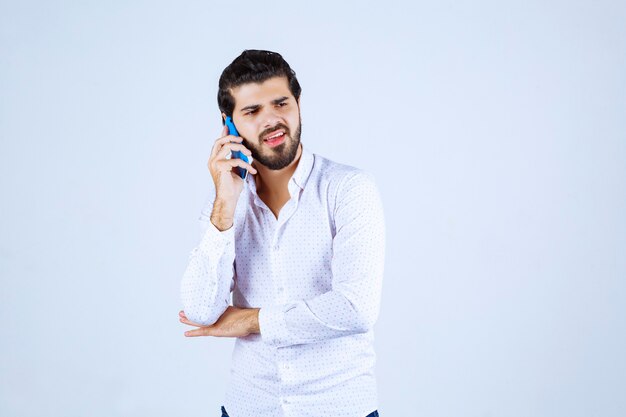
(223, 117)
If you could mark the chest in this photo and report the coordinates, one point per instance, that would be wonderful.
(278, 259)
(275, 202)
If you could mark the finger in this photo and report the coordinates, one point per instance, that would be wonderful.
(228, 164)
(221, 141)
(189, 322)
(217, 145)
(183, 319)
(202, 331)
(227, 148)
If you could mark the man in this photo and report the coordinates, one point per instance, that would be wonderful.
(300, 244)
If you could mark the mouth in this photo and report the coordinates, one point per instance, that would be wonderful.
(275, 138)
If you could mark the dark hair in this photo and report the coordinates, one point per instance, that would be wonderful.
(253, 66)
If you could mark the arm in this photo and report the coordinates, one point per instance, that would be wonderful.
(209, 276)
(357, 265)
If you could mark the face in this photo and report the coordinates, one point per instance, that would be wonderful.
(263, 111)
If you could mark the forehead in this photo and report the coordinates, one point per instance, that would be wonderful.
(260, 93)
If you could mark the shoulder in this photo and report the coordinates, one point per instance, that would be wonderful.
(336, 173)
(344, 181)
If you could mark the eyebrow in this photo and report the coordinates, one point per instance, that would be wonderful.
(256, 106)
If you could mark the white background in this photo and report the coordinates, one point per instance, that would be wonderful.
(497, 135)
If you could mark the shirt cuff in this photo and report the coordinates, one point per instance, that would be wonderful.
(272, 325)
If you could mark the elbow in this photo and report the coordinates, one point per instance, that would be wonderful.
(364, 316)
(202, 308)
(363, 313)
(202, 312)
(205, 317)
(203, 321)
(364, 321)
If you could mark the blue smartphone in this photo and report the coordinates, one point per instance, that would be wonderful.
(232, 130)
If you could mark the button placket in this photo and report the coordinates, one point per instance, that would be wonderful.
(276, 257)
(286, 212)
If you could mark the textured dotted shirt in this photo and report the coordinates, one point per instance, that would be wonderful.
(316, 274)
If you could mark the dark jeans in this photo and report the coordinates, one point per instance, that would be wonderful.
(372, 414)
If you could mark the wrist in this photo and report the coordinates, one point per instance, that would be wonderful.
(221, 223)
(253, 320)
(222, 215)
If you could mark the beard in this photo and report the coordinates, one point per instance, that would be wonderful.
(279, 156)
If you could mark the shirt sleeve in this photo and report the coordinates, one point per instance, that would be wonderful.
(209, 277)
(353, 304)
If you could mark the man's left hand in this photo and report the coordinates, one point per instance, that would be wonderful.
(234, 322)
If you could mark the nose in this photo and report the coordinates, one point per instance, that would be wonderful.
(271, 119)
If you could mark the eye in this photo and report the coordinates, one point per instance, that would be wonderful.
(249, 112)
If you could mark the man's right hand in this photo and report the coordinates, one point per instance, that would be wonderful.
(228, 184)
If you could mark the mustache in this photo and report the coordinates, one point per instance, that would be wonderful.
(268, 132)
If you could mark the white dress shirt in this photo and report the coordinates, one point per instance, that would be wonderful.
(316, 275)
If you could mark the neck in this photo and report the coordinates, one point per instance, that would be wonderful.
(270, 181)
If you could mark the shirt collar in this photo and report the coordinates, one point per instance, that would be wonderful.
(301, 174)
